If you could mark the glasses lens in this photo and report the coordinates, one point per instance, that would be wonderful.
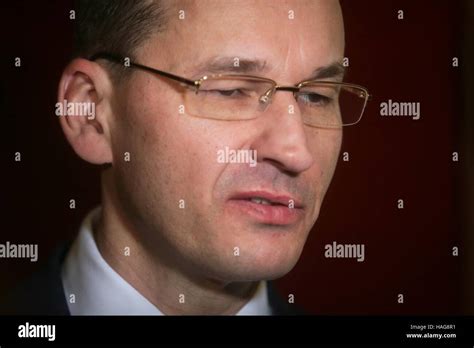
(331, 105)
(227, 98)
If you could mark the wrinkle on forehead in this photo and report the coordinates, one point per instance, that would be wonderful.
(297, 41)
(255, 28)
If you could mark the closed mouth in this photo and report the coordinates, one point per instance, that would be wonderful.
(269, 198)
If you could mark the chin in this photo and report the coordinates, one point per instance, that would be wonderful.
(263, 272)
(267, 254)
(264, 264)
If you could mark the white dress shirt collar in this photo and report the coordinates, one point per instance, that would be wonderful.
(92, 287)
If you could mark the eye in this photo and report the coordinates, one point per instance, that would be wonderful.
(315, 99)
(225, 93)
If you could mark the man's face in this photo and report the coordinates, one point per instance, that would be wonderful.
(192, 209)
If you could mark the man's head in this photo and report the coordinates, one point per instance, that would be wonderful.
(181, 203)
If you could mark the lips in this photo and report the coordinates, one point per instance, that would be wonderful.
(267, 207)
(265, 196)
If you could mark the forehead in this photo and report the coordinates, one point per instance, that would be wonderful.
(282, 33)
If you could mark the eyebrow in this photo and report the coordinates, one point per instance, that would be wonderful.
(334, 70)
(219, 65)
(222, 65)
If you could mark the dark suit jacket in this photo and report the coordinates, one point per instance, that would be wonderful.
(43, 294)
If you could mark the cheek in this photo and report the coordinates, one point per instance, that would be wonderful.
(176, 153)
(334, 143)
(325, 145)
(331, 150)
(166, 185)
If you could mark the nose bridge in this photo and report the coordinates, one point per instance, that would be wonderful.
(287, 88)
(267, 97)
(284, 138)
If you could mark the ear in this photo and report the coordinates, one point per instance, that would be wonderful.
(85, 111)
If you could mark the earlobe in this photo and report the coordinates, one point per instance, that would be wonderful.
(84, 110)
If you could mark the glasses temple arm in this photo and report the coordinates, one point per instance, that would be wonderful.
(120, 60)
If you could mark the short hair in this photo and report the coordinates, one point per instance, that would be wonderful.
(116, 26)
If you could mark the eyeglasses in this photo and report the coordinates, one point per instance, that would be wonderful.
(233, 97)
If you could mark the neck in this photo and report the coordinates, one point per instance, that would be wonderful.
(161, 280)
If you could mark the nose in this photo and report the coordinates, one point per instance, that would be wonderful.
(282, 139)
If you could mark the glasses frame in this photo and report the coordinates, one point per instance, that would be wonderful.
(266, 98)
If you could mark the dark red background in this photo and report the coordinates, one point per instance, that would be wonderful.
(407, 251)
